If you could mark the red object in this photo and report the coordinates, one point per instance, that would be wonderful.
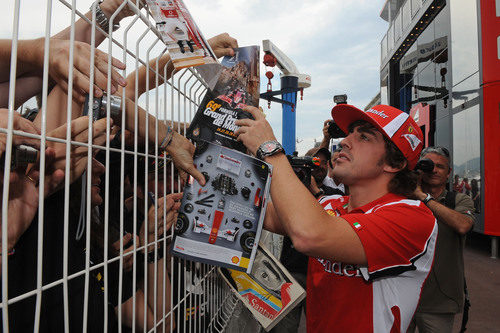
(421, 114)
(269, 60)
(256, 200)
(490, 30)
(301, 94)
(215, 226)
(399, 237)
(269, 75)
(395, 124)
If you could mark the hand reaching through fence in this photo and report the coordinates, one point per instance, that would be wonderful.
(79, 154)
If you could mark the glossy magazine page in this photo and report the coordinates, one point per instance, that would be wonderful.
(237, 86)
(269, 291)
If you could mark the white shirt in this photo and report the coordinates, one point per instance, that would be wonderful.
(331, 183)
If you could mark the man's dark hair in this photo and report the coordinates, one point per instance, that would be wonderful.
(404, 181)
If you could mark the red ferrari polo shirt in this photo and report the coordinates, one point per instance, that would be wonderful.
(398, 236)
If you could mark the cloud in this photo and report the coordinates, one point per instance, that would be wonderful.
(337, 42)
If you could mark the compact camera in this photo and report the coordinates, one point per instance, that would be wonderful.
(100, 104)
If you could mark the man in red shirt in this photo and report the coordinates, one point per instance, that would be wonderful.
(369, 252)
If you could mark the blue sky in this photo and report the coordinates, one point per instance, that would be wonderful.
(337, 42)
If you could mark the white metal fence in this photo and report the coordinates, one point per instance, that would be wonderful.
(67, 262)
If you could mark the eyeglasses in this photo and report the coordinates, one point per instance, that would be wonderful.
(440, 150)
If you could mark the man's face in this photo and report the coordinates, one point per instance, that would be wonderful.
(321, 171)
(440, 173)
(362, 156)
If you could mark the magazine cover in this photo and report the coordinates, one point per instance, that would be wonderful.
(221, 222)
(269, 291)
(237, 86)
(185, 43)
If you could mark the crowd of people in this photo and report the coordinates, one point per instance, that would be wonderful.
(89, 249)
(369, 237)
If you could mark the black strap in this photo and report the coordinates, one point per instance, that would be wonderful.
(465, 316)
(449, 200)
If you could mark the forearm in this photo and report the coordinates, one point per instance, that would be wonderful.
(162, 296)
(141, 76)
(28, 57)
(325, 143)
(461, 223)
(312, 231)
(26, 87)
(272, 221)
(83, 31)
(145, 123)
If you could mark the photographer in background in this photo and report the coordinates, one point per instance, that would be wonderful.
(330, 180)
(443, 292)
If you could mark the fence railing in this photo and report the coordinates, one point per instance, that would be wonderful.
(81, 248)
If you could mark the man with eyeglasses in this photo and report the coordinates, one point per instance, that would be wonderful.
(443, 293)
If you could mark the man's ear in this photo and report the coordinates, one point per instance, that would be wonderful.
(391, 169)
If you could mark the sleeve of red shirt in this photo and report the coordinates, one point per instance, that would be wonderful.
(393, 236)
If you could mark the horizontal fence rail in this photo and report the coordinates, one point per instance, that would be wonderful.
(85, 245)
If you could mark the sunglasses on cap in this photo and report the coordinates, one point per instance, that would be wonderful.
(436, 149)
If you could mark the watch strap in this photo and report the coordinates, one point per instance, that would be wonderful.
(263, 152)
(427, 198)
(101, 18)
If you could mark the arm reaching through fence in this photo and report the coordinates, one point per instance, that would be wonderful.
(222, 45)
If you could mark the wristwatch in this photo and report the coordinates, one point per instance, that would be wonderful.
(101, 18)
(269, 148)
(427, 198)
(319, 193)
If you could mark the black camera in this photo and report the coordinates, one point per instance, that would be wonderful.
(22, 155)
(303, 166)
(334, 130)
(425, 165)
(99, 107)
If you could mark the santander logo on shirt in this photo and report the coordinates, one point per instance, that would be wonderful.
(339, 268)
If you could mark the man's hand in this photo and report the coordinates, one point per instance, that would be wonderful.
(23, 196)
(253, 133)
(313, 187)
(79, 154)
(182, 152)
(418, 193)
(223, 45)
(109, 7)
(59, 67)
(168, 207)
(20, 124)
(128, 260)
(326, 125)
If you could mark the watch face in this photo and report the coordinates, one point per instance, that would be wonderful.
(269, 147)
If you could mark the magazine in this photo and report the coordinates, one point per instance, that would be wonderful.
(237, 86)
(220, 223)
(185, 43)
(269, 291)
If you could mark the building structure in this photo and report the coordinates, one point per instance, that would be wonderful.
(440, 62)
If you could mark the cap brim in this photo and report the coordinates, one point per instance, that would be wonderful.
(345, 114)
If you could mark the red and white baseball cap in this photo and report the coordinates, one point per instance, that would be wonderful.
(395, 124)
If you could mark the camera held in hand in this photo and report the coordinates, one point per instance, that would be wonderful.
(334, 131)
(100, 104)
(303, 166)
(425, 165)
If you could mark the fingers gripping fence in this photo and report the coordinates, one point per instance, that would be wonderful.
(86, 228)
